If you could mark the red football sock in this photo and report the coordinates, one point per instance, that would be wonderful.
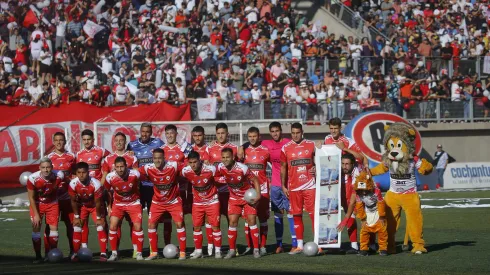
(183, 238)
(198, 239)
(113, 240)
(77, 238)
(217, 238)
(36, 242)
(209, 233)
(46, 240)
(119, 233)
(254, 234)
(247, 234)
(167, 231)
(138, 238)
(53, 239)
(153, 238)
(102, 236)
(312, 217)
(298, 227)
(85, 232)
(264, 230)
(232, 237)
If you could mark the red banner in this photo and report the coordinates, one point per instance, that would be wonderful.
(30, 129)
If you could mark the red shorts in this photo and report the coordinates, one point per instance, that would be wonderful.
(223, 198)
(263, 208)
(85, 212)
(66, 211)
(346, 191)
(133, 210)
(240, 207)
(302, 199)
(50, 210)
(157, 211)
(210, 210)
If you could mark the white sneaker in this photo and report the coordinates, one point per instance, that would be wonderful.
(196, 255)
(247, 250)
(218, 255)
(113, 257)
(139, 256)
(263, 251)
(193, 253)
(231, 254)
(153, 256)
(256, 253)
(210, 249)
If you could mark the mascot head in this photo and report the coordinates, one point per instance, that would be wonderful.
(364, 183)
(399, 142)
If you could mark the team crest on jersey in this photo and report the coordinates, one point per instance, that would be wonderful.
(307, 151)
(205, 180)
(130, 185)
(293, 155)
(239, 178)
(96, 157)
(168, 177)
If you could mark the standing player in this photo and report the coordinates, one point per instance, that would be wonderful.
(298, 181)
(93, 156)
(126, 200)
(214, 158)
(198, 143)
(256, 159)
(166, 199)
(87, 199)
(108, 166)
(205, 202)
(63, 161)
(348, 146)
(238, 177)
(42, 188)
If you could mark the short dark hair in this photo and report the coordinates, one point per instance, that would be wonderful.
(158, 150)
(221, 125)
(171, 127)
(198, 129)
(120, 134)
(227, 150)
(147, 125)
(350, 157)
(87, 132)
(275, 124)
(335, 122)
(194, 155)
(81, 165)
(297, 125)
(60, 134)
(253, 129)
(119, 160)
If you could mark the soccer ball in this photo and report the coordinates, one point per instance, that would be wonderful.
(84, 255)
(24, 177)
(170, 251)
(18, 202)
(310, 249)
(250, 195)
(55, 255)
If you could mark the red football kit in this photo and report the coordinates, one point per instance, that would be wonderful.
(203, 154)
(93, 157)
(256, 158)
(86, 195)
(46, 190)
(348, 143)
(108, 162)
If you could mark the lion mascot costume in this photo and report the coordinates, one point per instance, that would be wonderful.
(400, 162)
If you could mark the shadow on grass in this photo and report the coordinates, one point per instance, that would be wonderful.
(442, 246)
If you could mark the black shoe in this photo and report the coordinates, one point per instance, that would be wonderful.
(351, 251)
(363, 253)
(383, 253)
(38, 260)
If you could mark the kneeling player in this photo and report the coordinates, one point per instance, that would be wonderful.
(205, 202)
(238, 177)
(42, 188)
(126, 200)
(86, 199)
(166, 199)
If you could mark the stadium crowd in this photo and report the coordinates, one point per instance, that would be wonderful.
(241, 52)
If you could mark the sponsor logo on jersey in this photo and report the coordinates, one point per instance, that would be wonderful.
(164, 187)
(94, 166)
(255, 166)
(298, 162)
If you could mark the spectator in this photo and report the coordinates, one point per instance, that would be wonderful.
(441, 159)
(35, 91)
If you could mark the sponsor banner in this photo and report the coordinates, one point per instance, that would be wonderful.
(367, 130)
(26, 132)
(327, 201)
(467, 175)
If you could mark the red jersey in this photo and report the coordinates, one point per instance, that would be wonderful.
(238, 179)
(203, 189)
(177, 153)
(108, 162)
(203, 154)
(63, 163)
(348, 143)
(299, 158)
(45, 188)
(126, 191)
(86, 194)
(214, 158)
(94, 157)
(256, 158)
(166, 189)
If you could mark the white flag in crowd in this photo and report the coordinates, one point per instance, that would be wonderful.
(206, 108)
(91, 28)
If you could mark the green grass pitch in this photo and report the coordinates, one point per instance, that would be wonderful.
(458, 241)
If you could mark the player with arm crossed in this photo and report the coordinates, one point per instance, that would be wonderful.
(298, 180)
(205, 202)
(86, 195)
(126, 200)
(238, 178)
(166, 199)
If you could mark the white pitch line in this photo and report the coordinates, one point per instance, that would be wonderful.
(455, 206)
(454, 199)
